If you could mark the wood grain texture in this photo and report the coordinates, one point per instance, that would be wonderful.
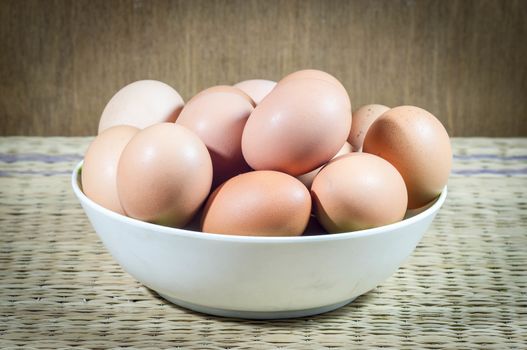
(465, 61)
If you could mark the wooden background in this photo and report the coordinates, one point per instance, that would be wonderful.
(465, 61)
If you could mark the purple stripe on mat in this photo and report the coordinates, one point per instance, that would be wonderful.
(504, 172)
(59, 158)
(14, 173)
(37, 157)
(488, 156)
(461, 172)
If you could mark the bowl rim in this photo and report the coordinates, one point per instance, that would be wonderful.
(75, 180)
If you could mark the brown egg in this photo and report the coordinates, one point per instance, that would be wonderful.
(99, 171)
(258, 203)
(315, 74)
(256, 88)
(307, 179)
(363, 118)
(224, 88)
(164, 175)
(298, 127)
(417, 144)
(358, 191)
(141, 104)
(218, 118)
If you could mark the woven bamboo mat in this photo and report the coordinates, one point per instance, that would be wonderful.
(465, 286)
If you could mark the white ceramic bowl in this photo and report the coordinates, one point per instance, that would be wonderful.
(256, 277)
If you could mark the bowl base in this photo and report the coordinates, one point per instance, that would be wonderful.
(256, 315)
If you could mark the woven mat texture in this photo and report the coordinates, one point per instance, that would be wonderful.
(465, 286)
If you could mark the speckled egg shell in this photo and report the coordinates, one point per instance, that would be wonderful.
(363, 118)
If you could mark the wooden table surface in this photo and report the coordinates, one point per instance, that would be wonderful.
(465, 285)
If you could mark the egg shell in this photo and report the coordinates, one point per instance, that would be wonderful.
(363, 118)
(256, 88)
(164, 175)
(258, 203)
(141, 104)
(99, 170)
(298, 127)
(218, 118)
(417, 144)
(315, 74)
(307, 179)
(223, 88)
(358, 191)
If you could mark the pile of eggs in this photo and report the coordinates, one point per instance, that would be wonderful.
(264, 159)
